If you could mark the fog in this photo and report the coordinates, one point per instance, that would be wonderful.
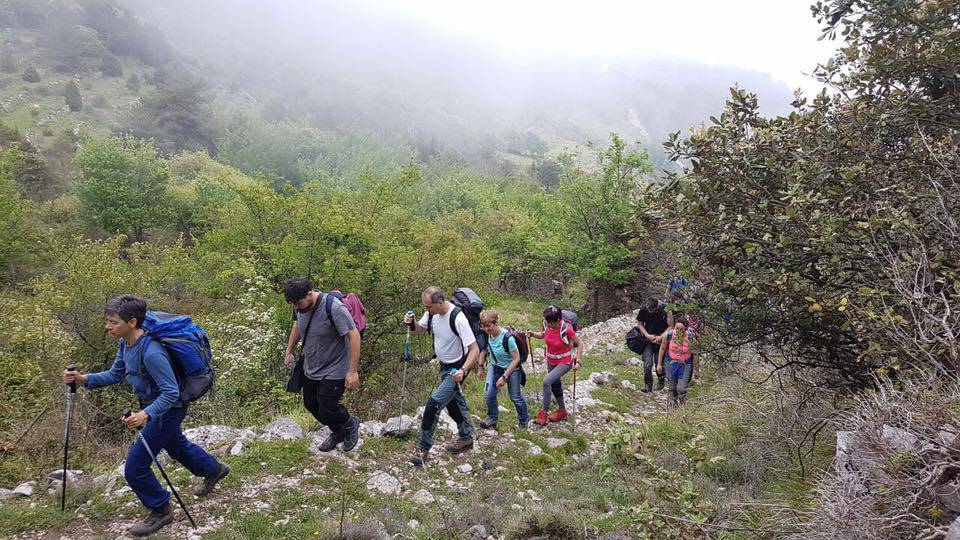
(428, 74)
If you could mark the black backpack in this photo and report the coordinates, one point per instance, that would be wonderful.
(467, 301)
(522, 349)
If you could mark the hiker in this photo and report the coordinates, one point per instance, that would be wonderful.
(683, 365)
(560, 340)
(146, 366)
(653, 320)
(503, 354)
(331, 355)
(456, 348)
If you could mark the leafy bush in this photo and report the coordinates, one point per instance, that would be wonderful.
(110, 66)
(71, 94)
(31, 74)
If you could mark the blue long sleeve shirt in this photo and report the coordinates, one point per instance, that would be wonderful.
(148, 371)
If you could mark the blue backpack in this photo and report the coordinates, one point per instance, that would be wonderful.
(188, 346)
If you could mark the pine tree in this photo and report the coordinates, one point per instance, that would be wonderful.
(72, 96)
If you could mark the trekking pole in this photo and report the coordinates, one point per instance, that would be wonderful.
(127, 413)
(533, 365)
(66, 438)
(575, 401)
(407, 356)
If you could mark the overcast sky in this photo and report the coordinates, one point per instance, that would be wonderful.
(778, 37)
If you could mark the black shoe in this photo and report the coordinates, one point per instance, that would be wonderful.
(524, 425)
(158, 518)
(210, 481)
(647, 389)
(660, 384)
(419, 457)
(352, 435)
(488, 423)
(331, 442)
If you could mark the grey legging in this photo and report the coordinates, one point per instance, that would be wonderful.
(551, 383)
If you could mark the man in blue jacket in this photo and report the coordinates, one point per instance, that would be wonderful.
(149, 371)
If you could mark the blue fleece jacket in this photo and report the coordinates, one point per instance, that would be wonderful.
(149, 372)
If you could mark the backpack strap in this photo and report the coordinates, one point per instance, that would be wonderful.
(453, 320)
(328, 304)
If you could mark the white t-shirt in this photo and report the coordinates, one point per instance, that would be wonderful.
(449, 348)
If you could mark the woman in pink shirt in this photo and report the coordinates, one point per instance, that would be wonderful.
(563, 351)
(683, 365)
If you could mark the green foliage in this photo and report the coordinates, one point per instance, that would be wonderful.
(123, 184)
(76, 49)
(834, 229)
(31, 75)
(71, 94)
(133, 83)
(599, 208)
(110, 66)
(15, 225)
(176, 115)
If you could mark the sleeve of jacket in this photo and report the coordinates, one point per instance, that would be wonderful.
(114, 375)
(157, 362)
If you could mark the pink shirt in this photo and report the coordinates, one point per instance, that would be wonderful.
(679, 351)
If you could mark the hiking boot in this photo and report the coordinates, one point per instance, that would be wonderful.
(541, 419)
(352, 435)
(647, 389)
(419, 457)
(558, 415)
(330, 442)
(158, 518)
(210, 481)
(524, 425)
(460, 445)
(488, 423)
(660, 384)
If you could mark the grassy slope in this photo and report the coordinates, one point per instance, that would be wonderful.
(47, 94)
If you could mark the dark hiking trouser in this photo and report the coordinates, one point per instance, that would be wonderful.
(164, 433)
(650, 353)
(322, 399)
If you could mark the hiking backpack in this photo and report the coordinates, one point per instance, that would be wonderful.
(568, 319)
(357, 312)
(470, 303)
(188, 347)
(521, 340)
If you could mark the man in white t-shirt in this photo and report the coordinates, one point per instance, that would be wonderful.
(456, 349)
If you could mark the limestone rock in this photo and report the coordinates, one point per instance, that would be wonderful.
(25, 489)
(554, 442)
(899, 439)
(282, 429)
(371, 428)
(477, 532)
(398, 426)
(466, 468)
(423, 497)
(383, 483)
(628, 385)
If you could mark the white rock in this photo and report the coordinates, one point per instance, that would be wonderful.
(601, 378)
(371, 428)
(953, 533)
(534, 450)
(25, 489)
(282, 429)
(587, 402)
(398, 426)
(5, 493)
(634, 361)
(413, 524)
(466, 468)
(899, 439)
(237, 448)
(628, 385)
(211, 436)
(383, 483)
(502, 409)
(553, 442)
(73, 476)
(477, 532)
(423, 497)
(445, 422)
(316, 438)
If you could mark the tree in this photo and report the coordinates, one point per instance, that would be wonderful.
(15, 230)
(71, 94)
(548, 173)
(76, 49)
(599, 208)
(122, 185)
(835, 229)
(133, 83)
(110, 66)
(176, 115)
(31, 74)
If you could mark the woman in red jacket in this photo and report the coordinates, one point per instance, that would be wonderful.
(563, 352)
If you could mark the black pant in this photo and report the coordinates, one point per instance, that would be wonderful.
(322, 399)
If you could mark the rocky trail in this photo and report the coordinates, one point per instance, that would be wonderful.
(284, 484)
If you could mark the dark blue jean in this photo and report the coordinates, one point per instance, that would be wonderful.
(513, 386)
(164, 433)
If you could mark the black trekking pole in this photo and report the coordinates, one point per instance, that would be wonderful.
(407, 356)
(127, 413)
(66, 438)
